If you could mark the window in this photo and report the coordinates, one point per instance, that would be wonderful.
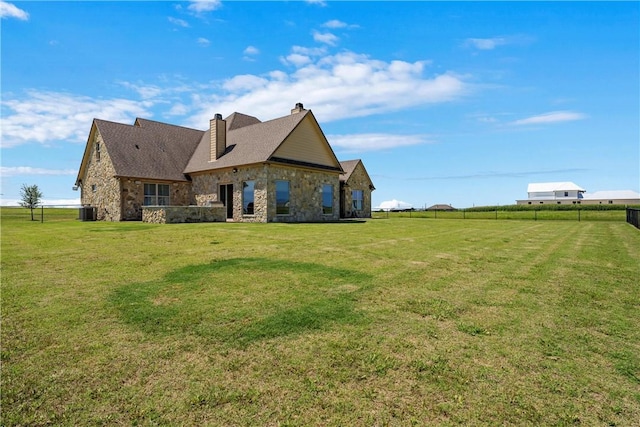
(566, 194)
(248, 197)
(357, 199)
(327, 199)
(282, 197)
(156, 194)
(97, 151)
(94, 187)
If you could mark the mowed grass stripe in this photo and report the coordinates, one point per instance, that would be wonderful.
(386, 322)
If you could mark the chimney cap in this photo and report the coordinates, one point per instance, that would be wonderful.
(217, 116)
(299, 105)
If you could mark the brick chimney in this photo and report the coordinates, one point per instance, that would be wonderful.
(218, 137)
(299, 108)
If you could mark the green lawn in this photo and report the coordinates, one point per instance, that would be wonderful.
(397, 321)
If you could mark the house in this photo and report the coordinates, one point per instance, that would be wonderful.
(441, 207)
(570, 193)
(355, 190)
(553, 192)
(281, 170)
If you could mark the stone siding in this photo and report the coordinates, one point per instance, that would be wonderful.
(182, 214)
(133, 196)
(100, 173)
(115, 198)
(305, 192)
(359, 180)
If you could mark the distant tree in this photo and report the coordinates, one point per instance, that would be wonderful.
(31, 196)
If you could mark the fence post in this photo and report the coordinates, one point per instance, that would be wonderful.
(41, 214)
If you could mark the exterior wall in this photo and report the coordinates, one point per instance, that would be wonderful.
(357, 181)
(205, 190)
(305, 187)
(100, 173)
(559, 201)
(132, 190)
(305, 194)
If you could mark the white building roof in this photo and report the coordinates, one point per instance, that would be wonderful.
(392, 205)
(543, 187)
(612, 194)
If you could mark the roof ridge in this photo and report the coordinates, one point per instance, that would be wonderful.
(167, 124)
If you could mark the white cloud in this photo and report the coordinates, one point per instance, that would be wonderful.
(335, 87)
(317, 2)
(493, 42)
(203, 42)
(8, 10)
(251, 50)
(309, 51)
(7, 171)
(334, 23)
(326, 38)
(552, 117)
(486, 44)
(244, 82)
(374, 141)
(179, 22)
(43, 117)
(178, 109)
(296, 59)
(201, 6)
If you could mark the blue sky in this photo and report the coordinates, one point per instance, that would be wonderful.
(445, 102)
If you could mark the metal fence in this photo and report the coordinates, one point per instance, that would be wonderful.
(633, 217)
(510, 214)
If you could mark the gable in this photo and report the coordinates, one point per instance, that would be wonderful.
(307, 144)
(355, 169)
(294, 139)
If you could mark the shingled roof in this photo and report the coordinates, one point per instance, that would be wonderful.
(149, 149)
(250, 144)
(348, 166)
(153, 150)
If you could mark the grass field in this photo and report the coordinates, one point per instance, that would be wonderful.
(386, 322)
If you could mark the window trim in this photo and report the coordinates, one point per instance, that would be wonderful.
(156, 194)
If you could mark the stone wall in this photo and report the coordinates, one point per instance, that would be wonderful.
(205, 190)
(115, 198)
(100, 188)
(305, 192)
(132, 190)
(359, 180)
(182, 214)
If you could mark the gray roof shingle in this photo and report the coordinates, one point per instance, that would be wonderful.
(254, 143)
(149, 149)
